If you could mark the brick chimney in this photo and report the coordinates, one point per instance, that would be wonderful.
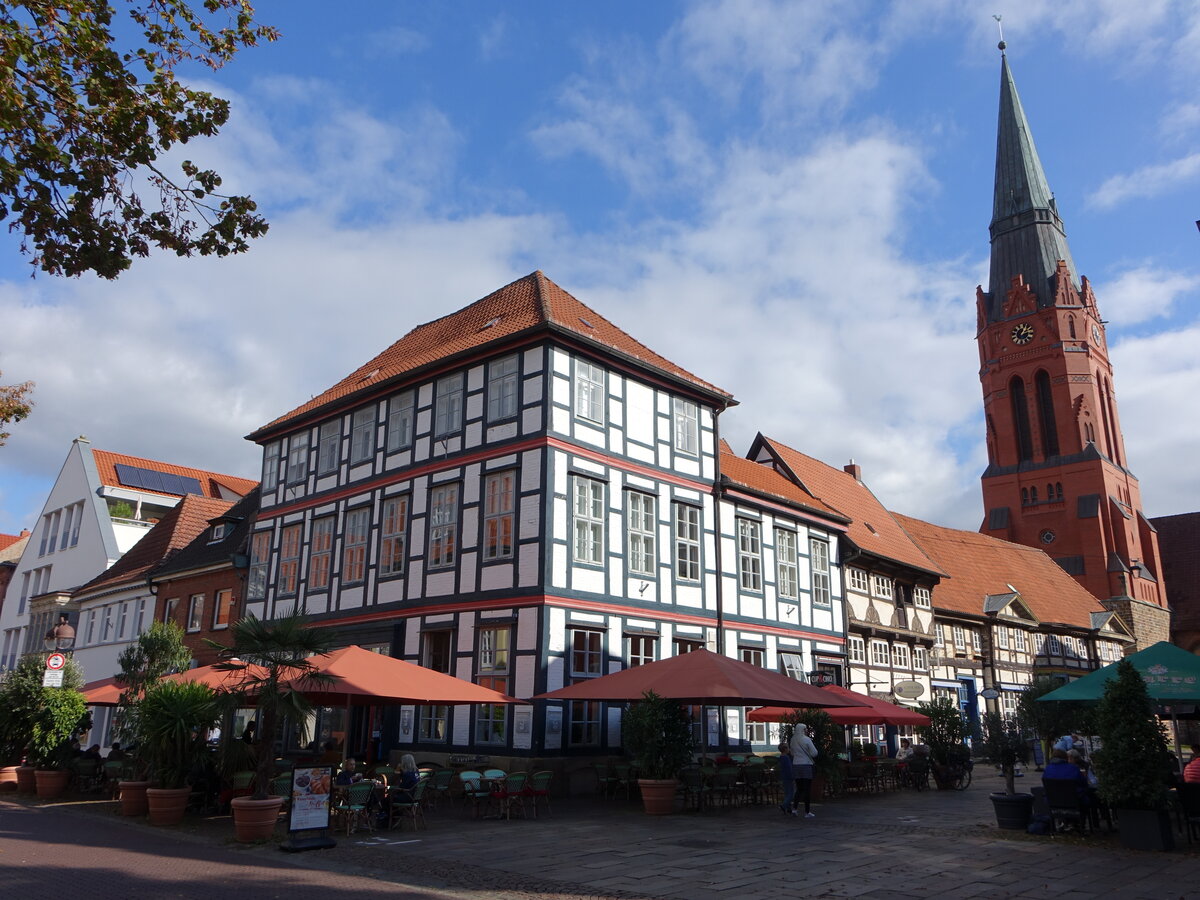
(853, 468)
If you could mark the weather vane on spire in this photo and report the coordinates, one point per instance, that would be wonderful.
(1000, 28)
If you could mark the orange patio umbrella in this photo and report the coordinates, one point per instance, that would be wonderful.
(218, 678)
(870, 711)
(701, 677)
(105, 692)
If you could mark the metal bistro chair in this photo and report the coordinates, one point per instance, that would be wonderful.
(386, 774)
(354, 804)
(281, 786)
(509, 792)
(475, 792)
(538, 788)
(695, 791)
(606, 781)
(86, 773)
(439, 786)
(1066, 804)
(725, 785)
(408, 805)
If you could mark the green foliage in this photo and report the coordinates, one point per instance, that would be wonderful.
(15, 405)
(657, 733)
(38, 722)
(1004, 744)
(946, 731)
(158, 651)
(1051, 719)
(1132, 762)
(173, 722)
(85, 117)
(280, 648)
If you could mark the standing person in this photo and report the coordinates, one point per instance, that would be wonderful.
(1191, 772)
(787, 778)
(804, 755)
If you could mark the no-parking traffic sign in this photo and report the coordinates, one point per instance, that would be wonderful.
(55, 661)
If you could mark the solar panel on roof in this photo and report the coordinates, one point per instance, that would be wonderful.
(152, 480)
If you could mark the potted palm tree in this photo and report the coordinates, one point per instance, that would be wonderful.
(657, 733)
(1132, 764)
(271, 657)
(173, 723)
(1004, 745)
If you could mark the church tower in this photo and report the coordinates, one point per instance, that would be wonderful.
(1057, 476)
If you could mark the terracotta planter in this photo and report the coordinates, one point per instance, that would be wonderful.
(658, 796)
(51, 783)
(133, 797)
(167, 805)
(8, 778)
(26, 783)
(254, 820)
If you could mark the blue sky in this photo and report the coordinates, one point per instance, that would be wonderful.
(789, 199)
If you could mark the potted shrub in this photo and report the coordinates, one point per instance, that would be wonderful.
(1004, 745)
(173, 722)
(280, 648)
(657, 733)
(39, 722)
(944, 735)
(1132, 764)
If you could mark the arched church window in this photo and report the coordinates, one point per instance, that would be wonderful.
(1045, 401)
(1033, 496)
(1020, 414)
(1110, 423)
(1058, 490)
(1071, 326)
(1024, 497)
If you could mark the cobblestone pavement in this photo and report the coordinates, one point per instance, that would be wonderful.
(894, 845)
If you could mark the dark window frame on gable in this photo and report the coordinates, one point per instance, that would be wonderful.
(329, 440)
(363, 424)
(402, 414)
(448, 405)
(503, 388)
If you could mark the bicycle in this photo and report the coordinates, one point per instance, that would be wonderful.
(958, 774)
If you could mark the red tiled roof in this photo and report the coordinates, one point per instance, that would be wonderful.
(528, 303)
(764, 480)
(7, 540)
(872, 527)
(1179, 547)
(176, 530)
(979, 565)
(107, 461)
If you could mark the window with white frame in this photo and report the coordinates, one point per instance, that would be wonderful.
(329, 439)
(499, 505)
(260, 553)
(362, 435)
(169, 609)
(222, 609)
(858, 579)
(502, 389)
(687, 542)
(1002, 637)
(448, 405)
(297, 461)
(1008, 704)
(289, 560)
(400, 421)
(787, 575)
(976, 641)
(1018, 636)
(792, 665)
(857, 649)
(922, 597)
(749, 555)
(585, 662)
(960, 638)
(354, 547)
(641, 649)
(641, 527)
(879, 653)
(65, 536)
(819, 555)
(122, 619)
(195, 617)
(270, 470)
(589, 391)
(1053, 647)
(881, 586)
(320, 553)
(436, 654)
(492, 671)
(393, 536)
(1039, 644)
(588, 520)
(90, 631)
(686, 416)
(900, 656)
(75, 527)
(106, 630)
(920, 659)
(443, 526)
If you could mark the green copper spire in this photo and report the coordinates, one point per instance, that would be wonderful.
(1027, 235)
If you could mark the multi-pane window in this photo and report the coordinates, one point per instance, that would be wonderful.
(1018, 636)
(589, 391)
(169, 609)
(260, 552)
(443, 526)
(856, 649)
(585, 662)
(122, 617)
(320, 553)
(106, 630)
(1002, 637)
(960, 638)
(499, 506)
(297, 461)
(75, 527)
(792, 665)
(329, 437)
(976, 641)
(641, 649)
(448, 405)
(749, 555)
(588, 525)
(393, 536)
(920, 659)
(400, 421)
(195, 612)
(222, 608)
(900, 656)
(687, 542)
(787, 577)
(1053, 647)
(502, 389)
(639, 514)
(492, 669)
(881, 586)
(354, 548)
(879, 653)
(90, 632)
(436, 654)
(270, 471)
(687, 645)
(921, 597)
(362, 435)
(1008, 704)
(686, 416)
(289, 560)
(65, 538)
(819, 551)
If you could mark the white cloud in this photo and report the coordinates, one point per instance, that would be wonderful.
(1150, 181)
(1144, 293)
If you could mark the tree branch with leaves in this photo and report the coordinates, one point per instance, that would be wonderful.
(15, 405)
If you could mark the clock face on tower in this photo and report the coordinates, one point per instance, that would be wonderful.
(1022, 334)
(1048, 536)
(1096, 335)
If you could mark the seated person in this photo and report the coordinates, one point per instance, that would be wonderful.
(1191, 772)
(409, 775)
(92, 753)
(116, 754)
(904, 754)
(348, 775)
(1060, 768)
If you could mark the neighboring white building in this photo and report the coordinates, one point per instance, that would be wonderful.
(102, 503)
